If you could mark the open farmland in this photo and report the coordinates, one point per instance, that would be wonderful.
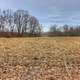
(55, 58)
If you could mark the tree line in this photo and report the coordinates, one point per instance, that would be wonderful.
(65, 30)
(20, 23)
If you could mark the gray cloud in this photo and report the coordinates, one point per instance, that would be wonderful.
(48, 11)
(59, 11)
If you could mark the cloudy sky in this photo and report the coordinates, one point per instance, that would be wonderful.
(48, 11)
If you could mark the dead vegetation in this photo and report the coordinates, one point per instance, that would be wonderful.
(40, 58)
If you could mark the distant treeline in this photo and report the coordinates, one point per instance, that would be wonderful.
(64, 30)
(20, 23)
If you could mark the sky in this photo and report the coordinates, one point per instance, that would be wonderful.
(48, 12)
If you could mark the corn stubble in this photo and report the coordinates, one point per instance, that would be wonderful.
(40, 58)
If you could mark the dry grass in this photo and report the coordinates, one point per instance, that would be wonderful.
(40, 58)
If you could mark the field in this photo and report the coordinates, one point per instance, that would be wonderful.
(44, 58)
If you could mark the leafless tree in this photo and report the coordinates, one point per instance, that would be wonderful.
(53, 30)
(65, 30)
(21, 19)
(34, 26)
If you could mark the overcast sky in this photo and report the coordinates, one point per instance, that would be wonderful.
(48, 11)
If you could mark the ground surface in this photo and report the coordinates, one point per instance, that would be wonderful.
(40, 58)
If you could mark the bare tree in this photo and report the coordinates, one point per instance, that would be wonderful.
(26, 17)
(53, 30)
(66, 30)
(1, 23)
(34, 26)
(19, 22)
(21, 19)
(11, 20)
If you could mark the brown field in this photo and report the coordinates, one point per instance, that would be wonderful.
(40, 58)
